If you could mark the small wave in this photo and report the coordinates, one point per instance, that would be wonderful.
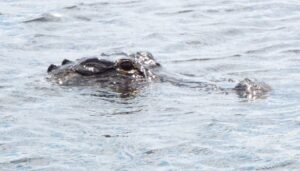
(48, 17)
(83, 18)
(184, 11)
(100, 4)
(295, 51)
(127, 112)
(204, 59)
(26, 161)
(174, 13)
(276, 165)
(267, 48)
(71, 7)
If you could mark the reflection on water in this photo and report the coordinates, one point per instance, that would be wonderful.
(168, 125)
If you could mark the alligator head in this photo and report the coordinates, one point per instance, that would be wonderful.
(91, 70)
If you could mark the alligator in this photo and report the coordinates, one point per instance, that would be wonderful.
(129, 72)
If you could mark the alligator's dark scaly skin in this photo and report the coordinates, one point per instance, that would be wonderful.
(129, 71)
(130, 68)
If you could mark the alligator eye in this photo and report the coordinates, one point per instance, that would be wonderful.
(126, 65)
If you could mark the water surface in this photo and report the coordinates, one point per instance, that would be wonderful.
(44, 126)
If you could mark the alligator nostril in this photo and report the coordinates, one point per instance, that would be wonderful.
(51, 68)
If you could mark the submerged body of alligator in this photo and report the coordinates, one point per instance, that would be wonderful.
(132, 71)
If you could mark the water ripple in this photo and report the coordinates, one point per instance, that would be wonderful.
(185, 122)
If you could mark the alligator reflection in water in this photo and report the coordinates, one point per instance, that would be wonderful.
(128, 73)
